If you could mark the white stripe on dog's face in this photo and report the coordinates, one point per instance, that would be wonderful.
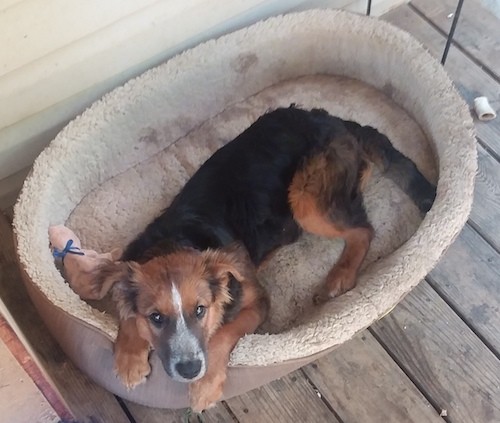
(184, 345)
(177, 301)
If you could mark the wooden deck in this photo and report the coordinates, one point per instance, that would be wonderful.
(434, 358)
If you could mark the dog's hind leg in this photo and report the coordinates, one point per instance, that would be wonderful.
(342, 277)
(325, 197)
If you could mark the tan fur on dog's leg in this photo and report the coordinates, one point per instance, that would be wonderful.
(205, 392)
(131, 355)
(342, 277)
(318, 196)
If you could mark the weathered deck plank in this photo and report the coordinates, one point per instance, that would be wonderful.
(142, 414)
(443, 357)
(477, 30)
(468, 277)
(363, 384)
(289, 399)
(469, 79)
(485, 214)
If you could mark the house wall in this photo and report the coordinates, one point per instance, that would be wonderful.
(59, 56)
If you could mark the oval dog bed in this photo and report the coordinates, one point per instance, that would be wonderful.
(111, 170)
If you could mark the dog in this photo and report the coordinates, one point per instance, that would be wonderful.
(187, 285)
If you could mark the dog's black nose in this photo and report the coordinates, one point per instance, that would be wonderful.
(188, 369)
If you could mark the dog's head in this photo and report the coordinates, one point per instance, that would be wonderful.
(179, 300)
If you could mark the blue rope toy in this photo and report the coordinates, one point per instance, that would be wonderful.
(68, 249)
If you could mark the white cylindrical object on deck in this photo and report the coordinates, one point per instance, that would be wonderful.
(483, 109)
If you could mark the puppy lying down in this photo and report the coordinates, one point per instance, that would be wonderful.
(187, 285)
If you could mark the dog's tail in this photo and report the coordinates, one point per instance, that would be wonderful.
(395, 165)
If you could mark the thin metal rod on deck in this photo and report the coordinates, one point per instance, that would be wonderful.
(369, 8)
(452, 31)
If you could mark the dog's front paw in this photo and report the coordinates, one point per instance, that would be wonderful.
(132, 368)
(205, 392)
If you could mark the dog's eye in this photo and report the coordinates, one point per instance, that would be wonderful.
(156, 318)
(200, 311)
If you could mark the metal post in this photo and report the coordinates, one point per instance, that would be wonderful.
(369, 8)
(452, 31)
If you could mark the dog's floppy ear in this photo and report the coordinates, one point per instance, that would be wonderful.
(120, 276)
(232, 260)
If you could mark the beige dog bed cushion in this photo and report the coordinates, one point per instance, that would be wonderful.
(114, 168)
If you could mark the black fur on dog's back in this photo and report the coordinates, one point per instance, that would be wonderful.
(241, 192)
